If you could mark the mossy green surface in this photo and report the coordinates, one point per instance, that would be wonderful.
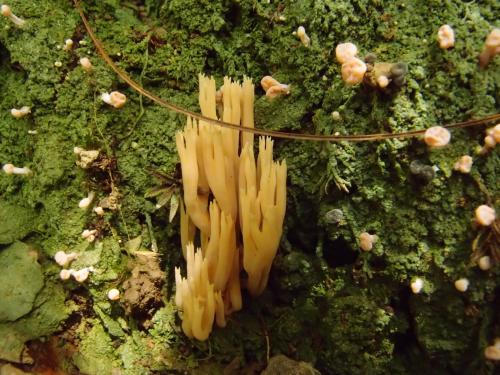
(328, 303)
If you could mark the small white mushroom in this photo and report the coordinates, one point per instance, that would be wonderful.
(345, 51)
(417, 285)
(58, 64)
(99, 210)
(383, 81)
(89, 235)
(7, 12)
(304, 38)
(485, 215)
(11, 169)
(68, 44)
(366, 241)
(446, 37)
(115, 99)
(484, 263)
(65, 274)
(462, 284)
(21, 112)
(437, 136)
(273, 88)
(63, 259)
(81, 275)
(464, 164)
(86, 64)
(114, 294)
(85, 202)
(353, 71)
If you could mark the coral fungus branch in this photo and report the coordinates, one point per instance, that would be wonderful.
(275, 134)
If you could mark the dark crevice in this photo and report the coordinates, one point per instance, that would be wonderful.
(338, 253)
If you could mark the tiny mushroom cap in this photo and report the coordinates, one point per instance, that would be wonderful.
(89, 235)
(462, 284)
(437, 136)
(85, 202)
(9, 168)
(278, 90)
(7, 12)
(366, 241)
(267, 82)
(115, 99)
(64, 259)
(304, 38)
(417, 285)
(345, 51)
(464, 164)
(353, 71)
(336, 115)
(492, 352)
(484, 263)
(383, 81)
(99, 210)
(65, 274)
(68, 44)
(490, 141)
(485, 215)
(446, 37)
(86, 64)
(114, 294)
(81, 275)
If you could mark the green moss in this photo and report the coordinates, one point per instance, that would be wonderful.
(96, 353)
(20, 268)
(47, 312)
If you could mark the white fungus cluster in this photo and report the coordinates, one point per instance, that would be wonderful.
(64, 259)
(79, 275)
